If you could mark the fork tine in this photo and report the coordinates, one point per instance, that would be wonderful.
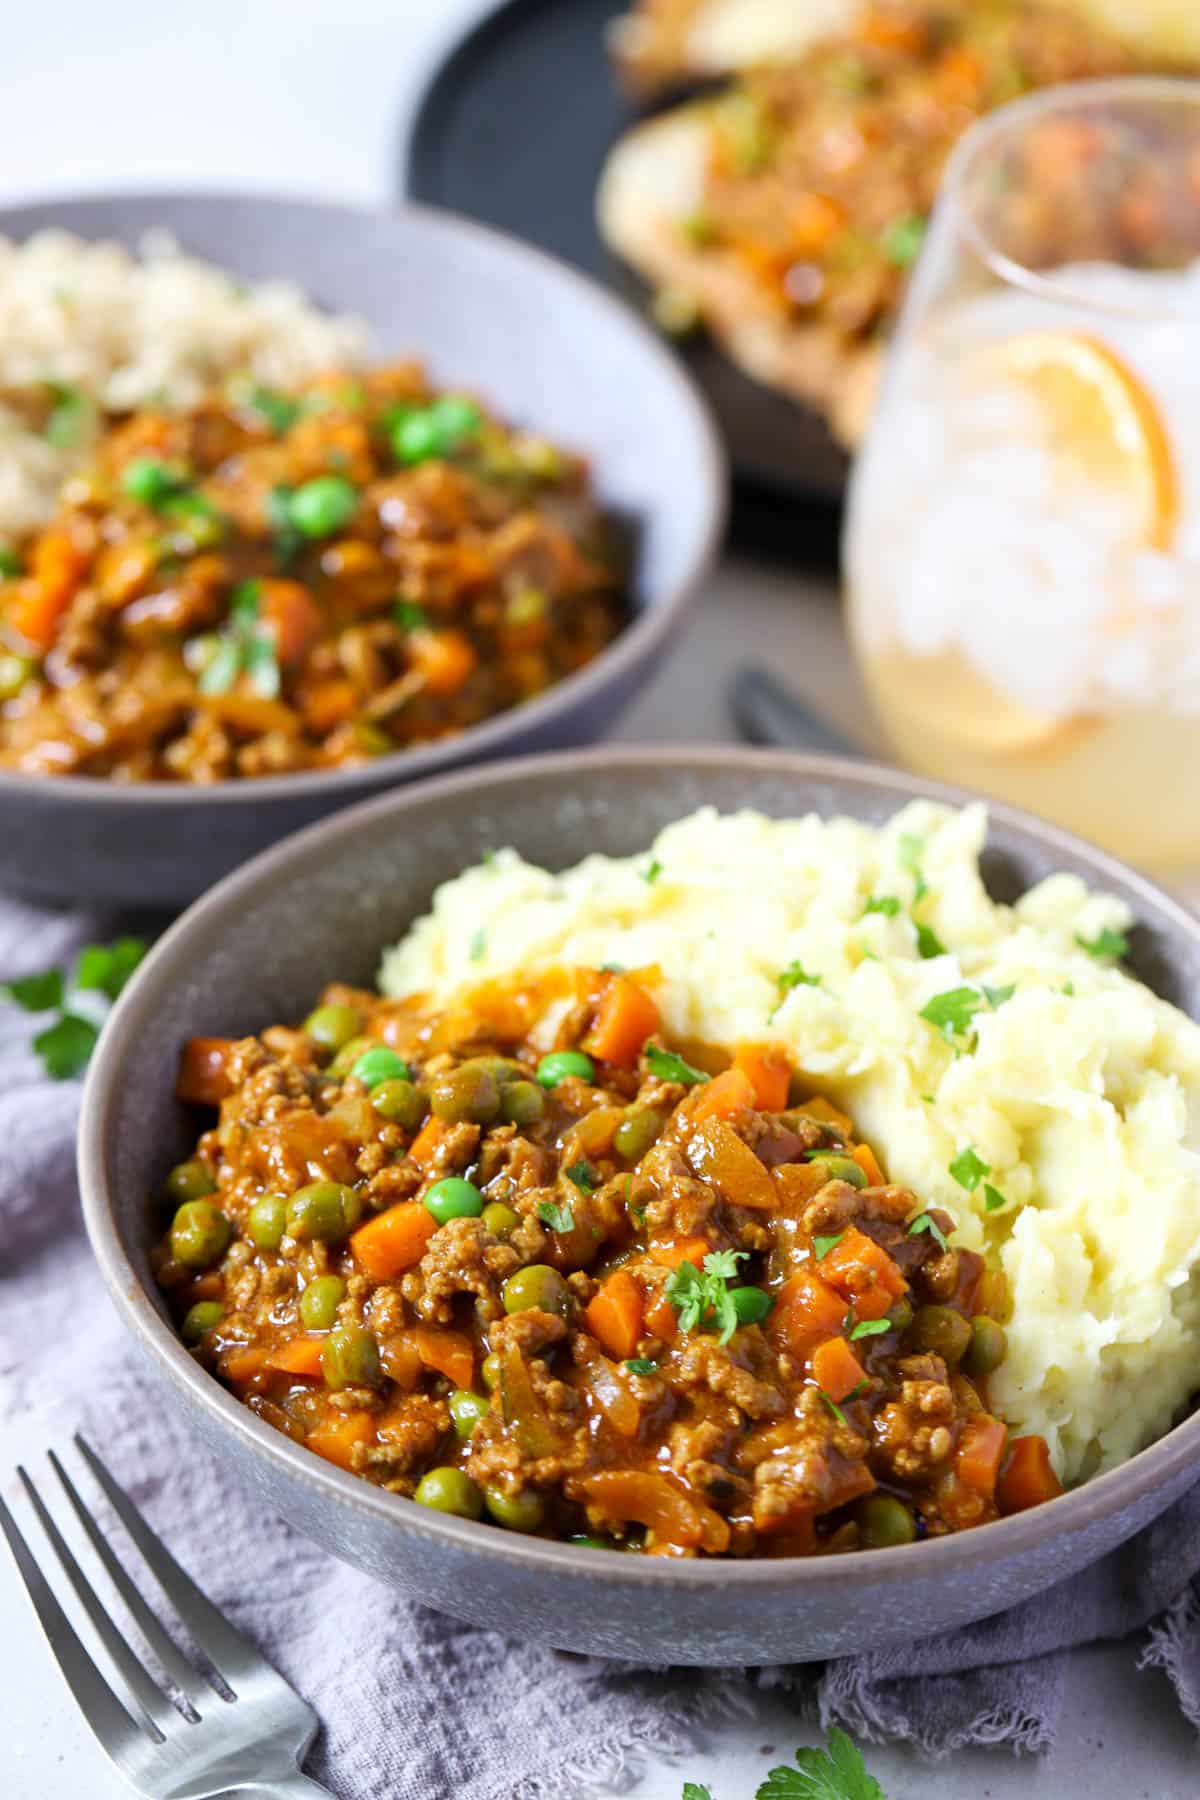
(231, 1654)
(99, 1705)
(176, 1664)
(146, 1692)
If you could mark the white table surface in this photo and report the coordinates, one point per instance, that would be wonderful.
(307, 96)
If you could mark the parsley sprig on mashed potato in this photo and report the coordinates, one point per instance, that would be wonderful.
(1065, 1092)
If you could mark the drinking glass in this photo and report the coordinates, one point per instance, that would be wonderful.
(1022, 547)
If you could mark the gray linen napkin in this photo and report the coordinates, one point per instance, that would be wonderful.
(410, 1701)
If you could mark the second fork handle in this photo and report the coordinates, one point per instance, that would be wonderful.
(289, 1787)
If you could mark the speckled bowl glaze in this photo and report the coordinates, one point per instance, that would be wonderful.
(549, 350)
(322, 906)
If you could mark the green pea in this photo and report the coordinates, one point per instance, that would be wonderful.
(518, 1512)
(589, 1543)
(206, 1315)
(320, 1300)
(347, 1056)
(189, 1181)
(399, 1101)
(560, 1064)
(322, 506)
(490, 1370)
(200, 1234)
(150, 480)
(751, 1304)
(522, 1102)
(15, 671)
(500, 1068)
(453, 1198)
(267, 1221)
(350, 1358)
(379, 1064)
(538, 1287)
(941, 1331)
(324, 1212)
(450, 1491)
(901, 1313)
(466, 1410)
(500, 1220)
(468, 1094)
(332, 1026)
(840, 1168)
(884, 1520)
(638, 1130)
(987, 1349)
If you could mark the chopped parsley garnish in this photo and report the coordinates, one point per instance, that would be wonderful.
(1106, 946)
(1068, 988)
(409, 617)
(286, 538)
(927, 1222)
(701, 1298)
(870, 1328)
(929, 944)
(969, 1169)
(584, 1177)
(611, 968)
(902, 240)
(478, 944)
(641, 1365)
(10, 563)
(278, 411)
(996, 996)
(794, 976)
(692, 1790)
(835, 1773)
(951, 1013)
(558, 1218)
(833, 1406)
(70, 415)
(66, 1044)
(887, 904)
(669, 1066)
(651, 872)
(823, 1245)
(910, 850)
(993, 1199)
(243, 648)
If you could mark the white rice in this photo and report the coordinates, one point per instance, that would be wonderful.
(161, 327)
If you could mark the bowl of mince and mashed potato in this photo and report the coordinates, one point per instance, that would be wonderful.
(305, 496)
(920, 1024)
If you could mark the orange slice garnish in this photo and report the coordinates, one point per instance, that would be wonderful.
(1101, 421)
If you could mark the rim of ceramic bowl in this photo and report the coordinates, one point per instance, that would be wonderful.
(1149, 1470)
(649, 631)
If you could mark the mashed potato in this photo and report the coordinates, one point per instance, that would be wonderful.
(1079, 1090)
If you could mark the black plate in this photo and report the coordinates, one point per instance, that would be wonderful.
(513, 129)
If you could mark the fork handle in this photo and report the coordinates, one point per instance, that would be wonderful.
(289, 1787)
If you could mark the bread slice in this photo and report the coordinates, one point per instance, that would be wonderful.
(652, 184)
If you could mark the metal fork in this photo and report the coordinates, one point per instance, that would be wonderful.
(249, 1740)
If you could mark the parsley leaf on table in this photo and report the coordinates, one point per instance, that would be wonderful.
(836, 1773)
(36, 993)
(692, 1790)
(68, 1041)
(65, 1046)
(669, 1066)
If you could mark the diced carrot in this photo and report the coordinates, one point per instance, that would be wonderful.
(864, 1156)
(661, 1318)
(864, 1273)
(1028, 1476)
(770, 1075)
(387, 1245)
(816, 221)
(625, 1018)
(726, 1093)
(614, 1316)
(958, 76)
(242, 1364)
(299, 1356)
(291, 615)
(890, 29)
(203, 1078)
(446, 659)
(693, 1250)
(449, 1352)
(979, 1453)
(338, 1438)
(721, 1157)
(38, 604)
(836, 1369)
(428, 1141)
(806, 1310)
(329, 703)
(820, 1108)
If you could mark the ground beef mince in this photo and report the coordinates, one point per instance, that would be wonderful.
(275, 582)
(636, 1294)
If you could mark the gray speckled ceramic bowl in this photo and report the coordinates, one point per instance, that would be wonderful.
(548, 349)
(259, 949)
